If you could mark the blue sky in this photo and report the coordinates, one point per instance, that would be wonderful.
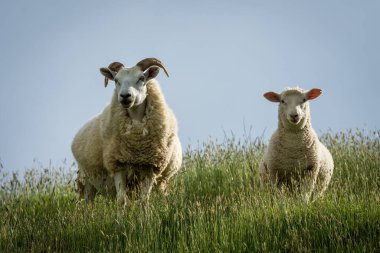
(221, 56)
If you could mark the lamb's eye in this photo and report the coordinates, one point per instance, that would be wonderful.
(117, 82)
(282, 101)
(304, 100)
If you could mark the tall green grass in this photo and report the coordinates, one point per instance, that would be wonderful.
(216, 204)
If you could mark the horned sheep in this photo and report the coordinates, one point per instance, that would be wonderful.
(133, 144)
(295, 158)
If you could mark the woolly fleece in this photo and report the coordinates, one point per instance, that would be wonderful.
(112, 141)
(295, 156)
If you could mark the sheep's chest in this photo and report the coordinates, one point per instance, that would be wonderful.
(292, 162)
(292, 158)
(143, 144)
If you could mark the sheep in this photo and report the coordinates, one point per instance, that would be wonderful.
(295, 158)
(133, 144)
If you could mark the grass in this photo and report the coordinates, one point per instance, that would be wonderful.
(216, 204)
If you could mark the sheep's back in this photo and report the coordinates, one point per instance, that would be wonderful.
(87, 145)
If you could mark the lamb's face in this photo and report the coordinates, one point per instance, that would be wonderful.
(130, 87)
(294, 107)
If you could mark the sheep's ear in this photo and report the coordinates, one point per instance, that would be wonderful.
(313, 93)
(108, 74)
(272, 96)
(151, 72)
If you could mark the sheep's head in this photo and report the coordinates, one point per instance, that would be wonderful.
(131, 82)
(294, 107)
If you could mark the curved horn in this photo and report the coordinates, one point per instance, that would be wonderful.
(146, 63)
(115, 67)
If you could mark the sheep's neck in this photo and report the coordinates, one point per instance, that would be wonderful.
(296, 136)
(137, 112)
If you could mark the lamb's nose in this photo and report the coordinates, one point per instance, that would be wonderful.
(294, 116)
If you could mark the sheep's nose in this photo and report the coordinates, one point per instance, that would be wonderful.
(294, 116)
(126, 95)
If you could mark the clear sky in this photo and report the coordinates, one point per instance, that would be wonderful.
(221, 56)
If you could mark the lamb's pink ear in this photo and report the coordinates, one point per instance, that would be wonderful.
(272, 96)
(313, 93)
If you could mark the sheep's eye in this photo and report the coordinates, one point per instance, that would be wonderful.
(304, 100)
(141, 79)
(282, 101)
(117, 82)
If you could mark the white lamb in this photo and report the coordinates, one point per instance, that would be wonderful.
(295, 158)
(133, 144)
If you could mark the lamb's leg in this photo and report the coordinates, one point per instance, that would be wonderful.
(146, 185)
(321, 184)
(309, 182)
(120, 178)
(161, 186)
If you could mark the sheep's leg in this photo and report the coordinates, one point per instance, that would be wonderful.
(146, 186)
(320, 185)
(171, 169)
(308, 186)
(120, 178)
(162, 181)
(89, 192)
(80, 189)
(161, 186)
(318, 191)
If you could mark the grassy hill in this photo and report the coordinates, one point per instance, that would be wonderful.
(216, 204)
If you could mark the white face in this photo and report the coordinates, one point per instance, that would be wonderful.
(130, 87)
(294, 107)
